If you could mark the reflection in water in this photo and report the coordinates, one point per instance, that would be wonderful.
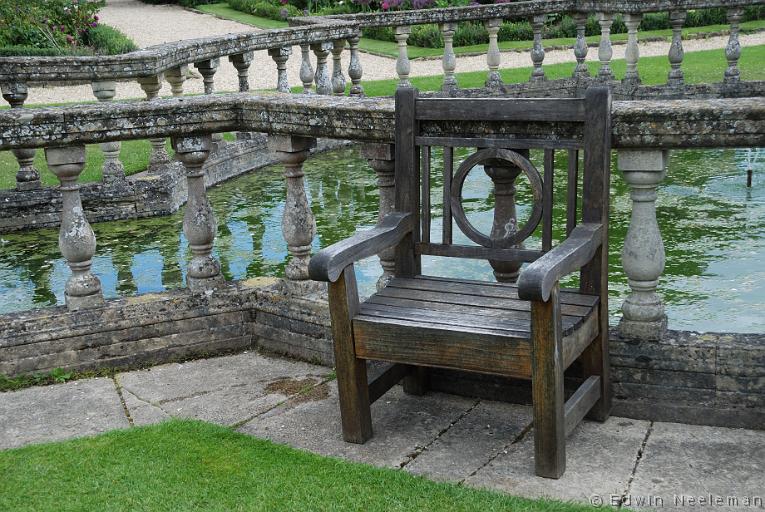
(713, 229)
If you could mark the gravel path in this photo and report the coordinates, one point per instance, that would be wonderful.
(154, 24)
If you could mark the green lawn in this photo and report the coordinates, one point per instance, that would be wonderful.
(191, 465)
(390, 49)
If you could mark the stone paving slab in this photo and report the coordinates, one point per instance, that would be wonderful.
(472, 442)
(61, 411)
(223, 390)
(687, 465)
(600, 461)
(402, 425)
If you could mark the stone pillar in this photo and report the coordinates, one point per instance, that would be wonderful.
(322, 80)
(402, 63)
(537, 49)
(580, 48)
(632, 51)
(643, 252)
(382, 158)
(733, 49)
(493, 57)
(605, 52)
(159, 158)
(175, 77)
(76, 239)
(113, 170)
(207, 69)
(27, 177)
(338, 80)
(355, 70)
(241, 62)
(298, 223)
(505, 217)
(450, 59)
(199, 225)
(280, 56)
(306, 70)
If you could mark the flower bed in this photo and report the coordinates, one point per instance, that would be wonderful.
(58, 27)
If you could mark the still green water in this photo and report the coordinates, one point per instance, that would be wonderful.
(713, 228)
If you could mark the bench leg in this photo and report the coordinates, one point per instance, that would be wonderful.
(547, 387)
(416, 383)
(352, 386)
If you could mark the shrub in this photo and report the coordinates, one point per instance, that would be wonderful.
(265, 9)
(108, 40)
(184, 3)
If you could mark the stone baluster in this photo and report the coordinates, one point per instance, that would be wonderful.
(207, 69)
(580, 48)
(537, 49)
(403, 66)
(298, 223)
(112, 170)
(643, 251)
(676, 53)
(322, 80)
(242, 61)
(159, 158)
(632, 51)
(355, 70)
(27, 177)
(199, 224)
(505, 217)
(733, 48)
(175, 77)
(450, 59)
(306, 70)
(280, 56)
(493, 57)
(381, 158)
(76, 239)
(338, 80)
(605, 52)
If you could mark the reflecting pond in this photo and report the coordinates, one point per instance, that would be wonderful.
(712, 224)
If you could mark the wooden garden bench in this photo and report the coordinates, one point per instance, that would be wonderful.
(532, 330)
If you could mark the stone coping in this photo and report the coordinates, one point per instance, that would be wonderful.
(665, 124)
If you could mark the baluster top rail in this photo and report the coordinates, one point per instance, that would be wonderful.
(663, 124)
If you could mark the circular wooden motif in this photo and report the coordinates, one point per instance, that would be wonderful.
(491, 156)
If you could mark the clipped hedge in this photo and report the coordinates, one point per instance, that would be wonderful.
(184, 3)
(265, 9)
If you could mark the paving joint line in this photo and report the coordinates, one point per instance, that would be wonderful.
(419, 450)
(517, 439)
(125, 409)
(638, 458)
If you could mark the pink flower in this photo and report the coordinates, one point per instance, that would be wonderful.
(385, 5)
(95, 17)
(284, 2)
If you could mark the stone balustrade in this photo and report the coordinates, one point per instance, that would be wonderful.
(642, 133)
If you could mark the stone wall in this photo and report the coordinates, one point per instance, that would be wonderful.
(713, 379)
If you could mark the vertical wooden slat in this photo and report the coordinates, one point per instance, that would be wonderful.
(425, 195)
(547, 200)
(351, 372)
(407, 178)
(448, 172)
(572, 190)
(547, 387)
(595, 199)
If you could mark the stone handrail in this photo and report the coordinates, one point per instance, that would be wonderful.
(666, 124)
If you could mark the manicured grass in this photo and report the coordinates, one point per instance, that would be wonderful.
(222, 10)
(699, 67)
(389, 49)
(190, 465)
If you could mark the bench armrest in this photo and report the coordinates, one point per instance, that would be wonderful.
(538, 278)
(328, 264)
